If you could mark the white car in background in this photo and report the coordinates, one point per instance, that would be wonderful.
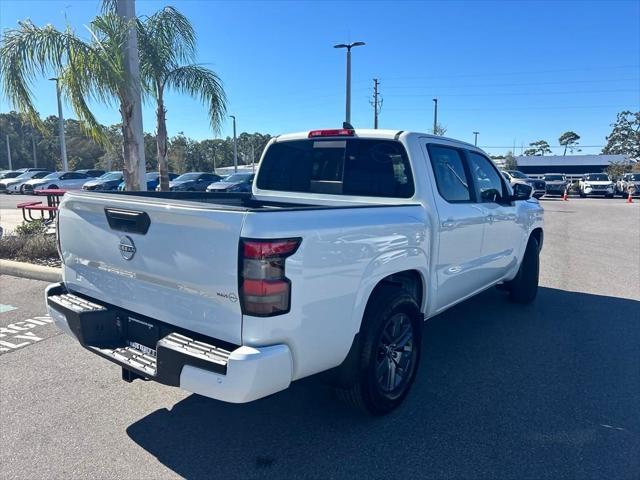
(596, 184)
(64, 180)
(16, 184)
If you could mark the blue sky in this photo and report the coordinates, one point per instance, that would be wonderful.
(514, 71)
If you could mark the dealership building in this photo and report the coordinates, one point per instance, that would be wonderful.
(569, 164)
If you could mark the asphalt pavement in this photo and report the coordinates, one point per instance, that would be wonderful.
(546, 391)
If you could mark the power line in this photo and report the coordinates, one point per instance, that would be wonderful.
(505, 73)
(516, 108)
(550, 146)
(513, 93)
(527, 84)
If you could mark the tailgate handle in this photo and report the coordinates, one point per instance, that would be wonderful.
(129, 221)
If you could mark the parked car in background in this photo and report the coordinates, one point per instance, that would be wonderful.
(237, 182)
(34, 169)
(107, 181)
(596, 184)
(555, 183)
(349, 240)
(193, 182)
(92, 173)
(628, 179)
(62, 180)
(10, 174)
(516, 176)
(16, 184)
(153, 180)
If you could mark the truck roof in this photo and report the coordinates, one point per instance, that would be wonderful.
(377, 133)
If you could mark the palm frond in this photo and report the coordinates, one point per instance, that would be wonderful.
(166, 39)
(202, 83)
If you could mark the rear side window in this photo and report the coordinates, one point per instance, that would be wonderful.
(451, 178)
(361, 167)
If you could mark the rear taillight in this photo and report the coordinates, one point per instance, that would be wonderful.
(58, 246)
(264, 289)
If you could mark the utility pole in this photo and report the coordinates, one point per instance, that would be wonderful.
(135, 165)
(348, 46)
(9, 153)
(235, 146)
(435, 116)
(376, 103)
(33, 149)
(63, 146)
(253, 158)
(475, 140)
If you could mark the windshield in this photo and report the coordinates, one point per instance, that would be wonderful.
(553, 178)
(238, 177)
(517, 174)
(152, 176)
(111, 176)
(597, 177)
(53, 175)
(25, 176)
(187, 176)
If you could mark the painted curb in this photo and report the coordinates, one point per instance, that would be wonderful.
(31, 271)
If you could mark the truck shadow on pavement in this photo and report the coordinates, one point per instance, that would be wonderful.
(550, 390)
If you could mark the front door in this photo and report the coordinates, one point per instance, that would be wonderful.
(499, 249)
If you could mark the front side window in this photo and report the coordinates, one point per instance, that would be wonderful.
(487, 179)
(362, 167)
(451, 178)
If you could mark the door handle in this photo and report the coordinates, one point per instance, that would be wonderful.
(449, 223)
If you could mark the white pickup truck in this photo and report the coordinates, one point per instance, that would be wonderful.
(349, 240)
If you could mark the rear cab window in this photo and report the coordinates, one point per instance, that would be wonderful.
(353, 166)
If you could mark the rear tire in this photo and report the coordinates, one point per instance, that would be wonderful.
(52, 187)
(390, 352)
(583, 195)
(524, 287)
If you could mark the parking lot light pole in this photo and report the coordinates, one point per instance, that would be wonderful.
(348, 46)
(235, 146)
(475, 140)
(63, 146)
(435, 116)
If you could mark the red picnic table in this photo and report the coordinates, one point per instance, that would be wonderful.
(53, 200)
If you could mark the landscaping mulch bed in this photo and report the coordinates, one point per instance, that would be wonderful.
(29, 243)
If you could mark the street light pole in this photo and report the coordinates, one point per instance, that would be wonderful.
(235, 146)
(435, 115)
(63, 146)
(9, 152)
(348, 46)
(475, 141)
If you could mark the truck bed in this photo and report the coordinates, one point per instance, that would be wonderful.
(241, 202)
(228, 201)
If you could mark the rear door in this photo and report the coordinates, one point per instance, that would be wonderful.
(181, 270)
(461, 227)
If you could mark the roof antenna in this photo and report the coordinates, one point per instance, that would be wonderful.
(347, 125)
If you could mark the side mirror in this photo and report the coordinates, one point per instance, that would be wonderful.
(522, 191)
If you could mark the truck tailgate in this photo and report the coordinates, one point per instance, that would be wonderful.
(182, 271)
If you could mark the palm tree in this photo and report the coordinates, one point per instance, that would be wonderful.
(167, 47)
(91, 70)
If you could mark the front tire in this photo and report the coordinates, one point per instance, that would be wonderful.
(583, 195)
(524, 287)
(390, 352)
